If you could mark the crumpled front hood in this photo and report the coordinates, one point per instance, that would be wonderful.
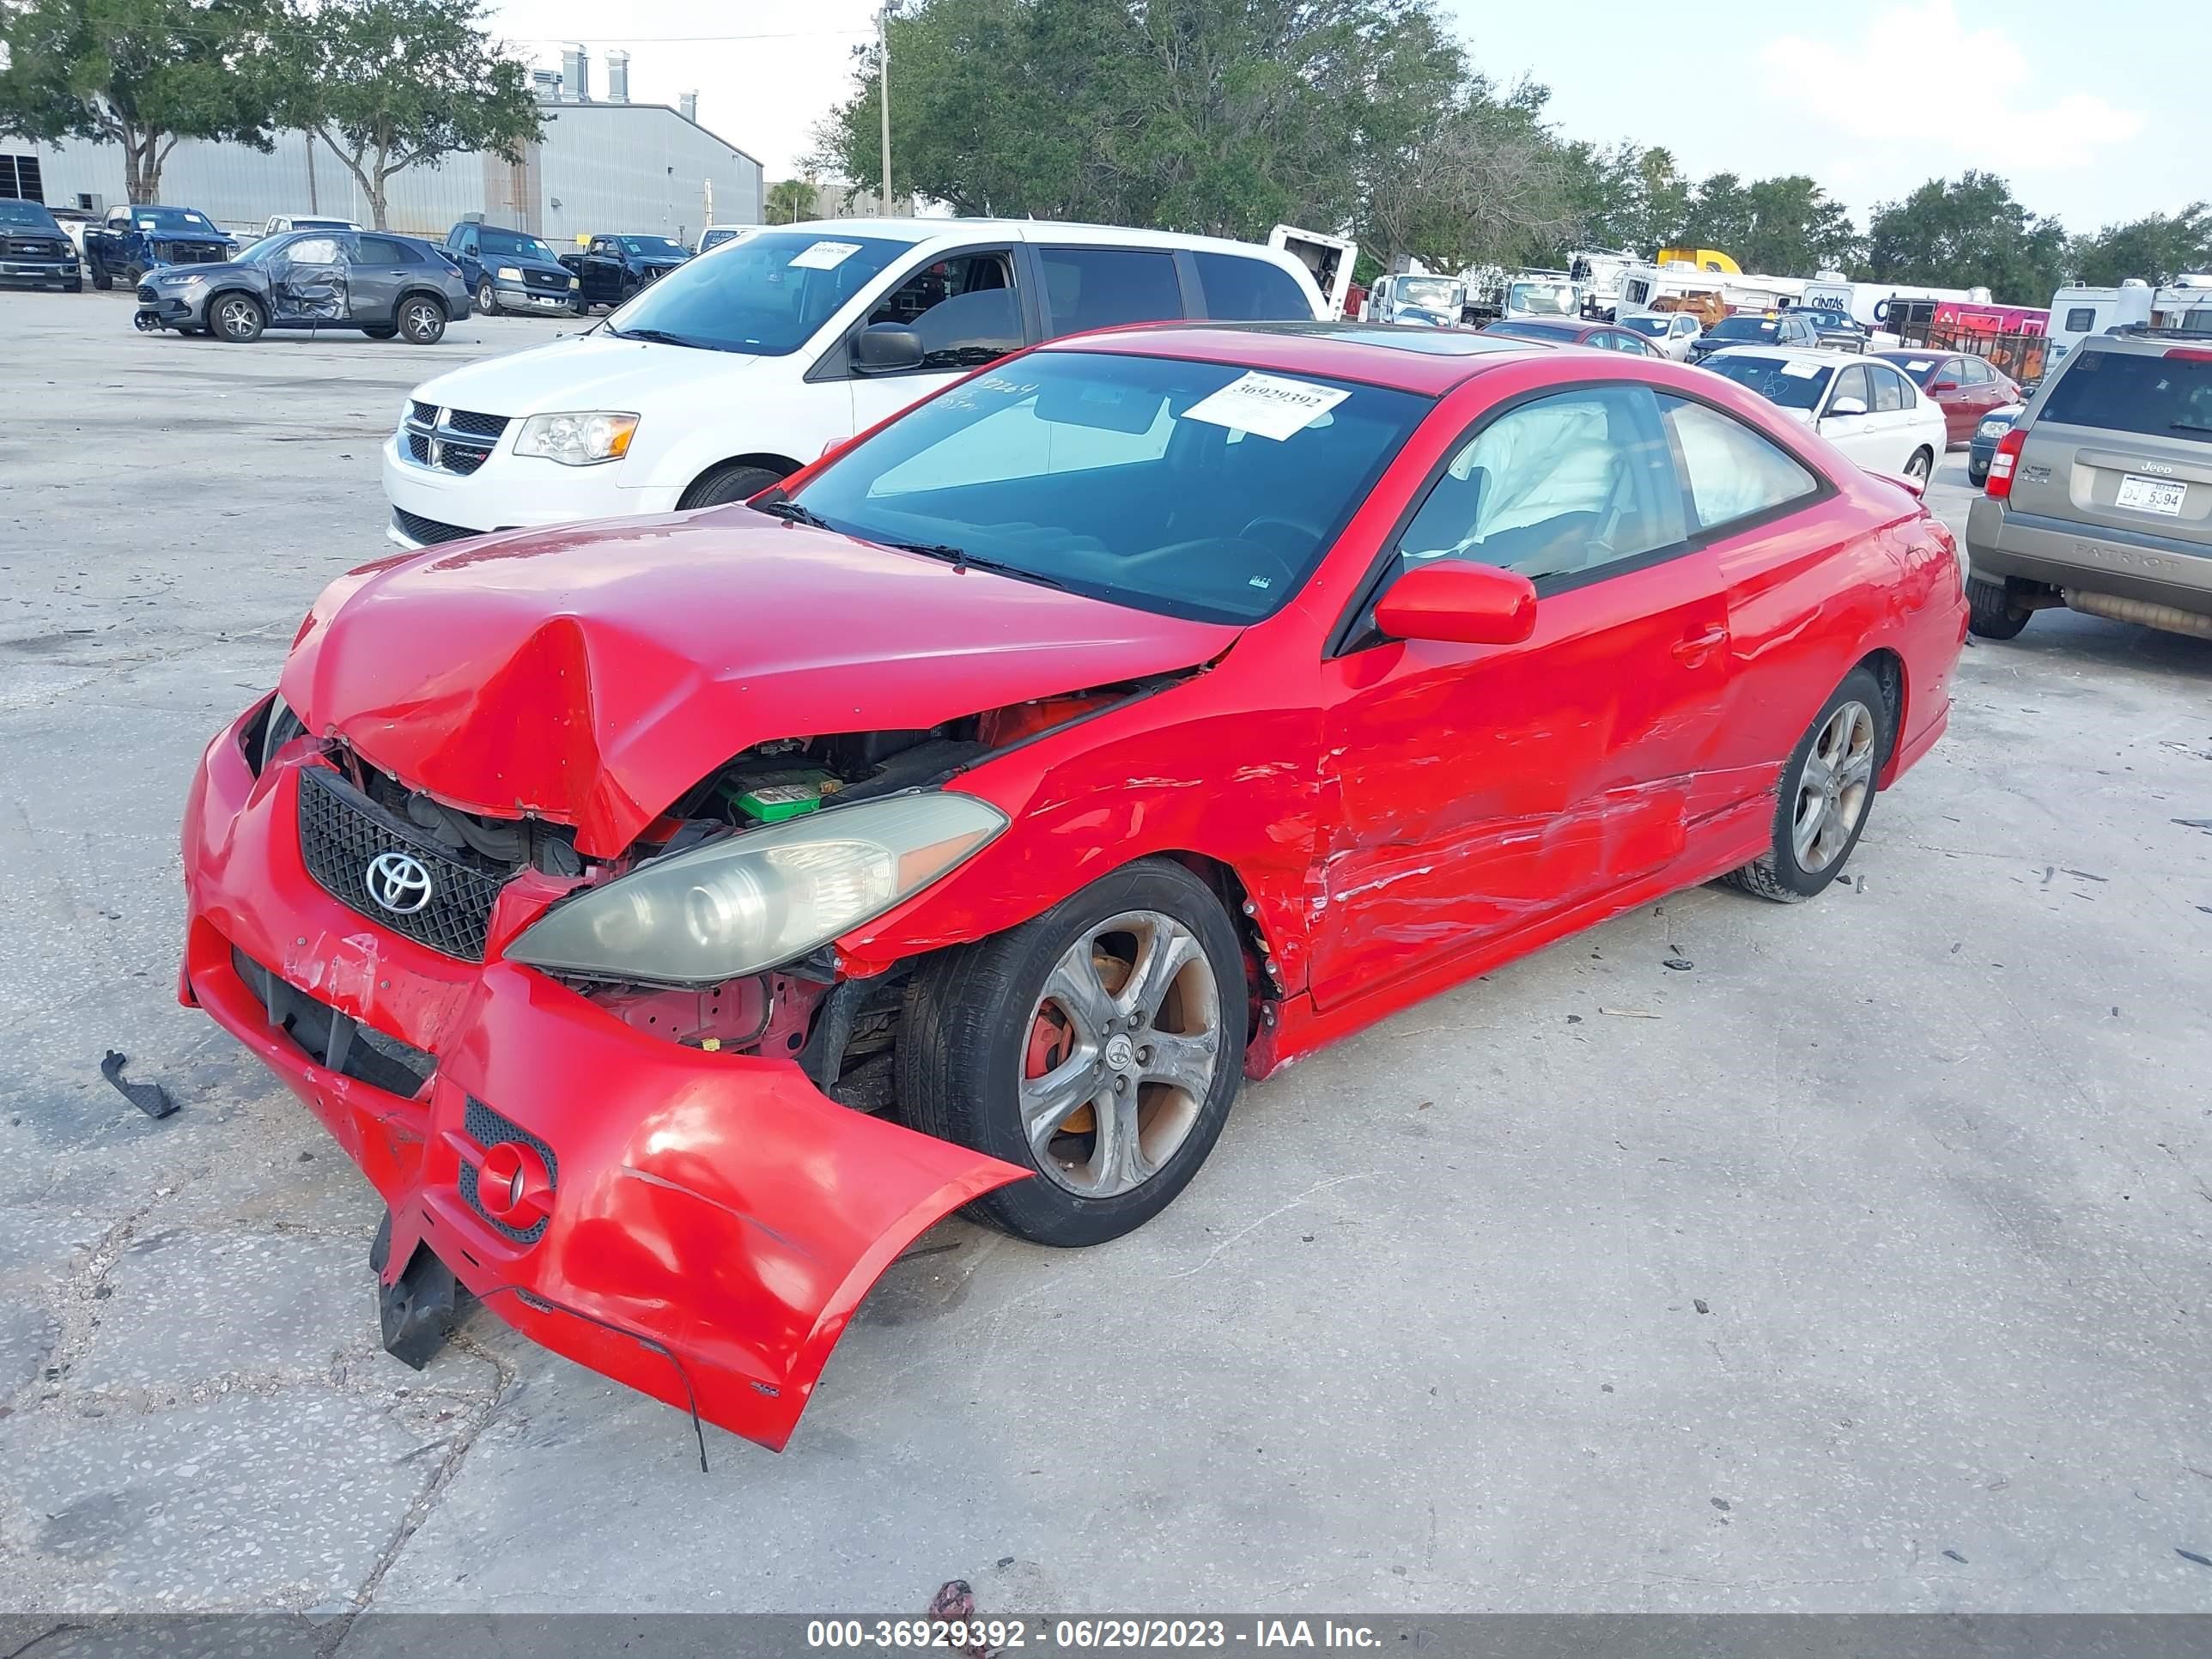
(590, 371)
(591, 673)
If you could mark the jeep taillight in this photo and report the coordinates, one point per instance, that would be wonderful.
(2002, 463)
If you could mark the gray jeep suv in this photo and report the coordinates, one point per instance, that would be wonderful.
(2101, 496)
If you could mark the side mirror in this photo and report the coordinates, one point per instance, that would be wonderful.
(1458, 602)
(885, 349)
(1847, 406)
(1943, 385)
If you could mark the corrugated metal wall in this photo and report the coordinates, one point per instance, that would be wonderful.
(639, 167)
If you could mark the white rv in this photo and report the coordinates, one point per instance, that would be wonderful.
(1643, 288)
(2078, 313)
(1330, 258)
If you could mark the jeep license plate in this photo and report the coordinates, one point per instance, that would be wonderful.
(2161, 495)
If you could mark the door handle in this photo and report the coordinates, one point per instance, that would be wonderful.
(1696, 648)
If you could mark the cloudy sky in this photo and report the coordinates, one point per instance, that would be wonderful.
(2075, 103)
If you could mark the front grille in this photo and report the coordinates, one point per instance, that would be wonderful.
(459, 444)
(341, 833)
(547, 281)
(35, 250)
(428, 532)
(488, 1128)
(336, 1040)
(189, 253)
(147, 297)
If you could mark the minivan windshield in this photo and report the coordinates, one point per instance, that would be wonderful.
(2168, 395)
(1198, 489)
(766, 294)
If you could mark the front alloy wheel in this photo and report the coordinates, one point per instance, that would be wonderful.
(238, 318)
(1100, 1045)
(487, 298)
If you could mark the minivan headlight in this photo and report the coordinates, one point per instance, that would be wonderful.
(584, 438)
(748, 901)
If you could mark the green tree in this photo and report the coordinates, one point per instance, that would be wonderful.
(142, 73)
(1968, 233)
(1783, 226)
(390, 84)
(2157, 248)
(790, 200)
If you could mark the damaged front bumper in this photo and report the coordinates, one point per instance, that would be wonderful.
(700, 1226)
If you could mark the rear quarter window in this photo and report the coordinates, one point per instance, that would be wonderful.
(1088, 287)
(2164, 397)
(1241, 290)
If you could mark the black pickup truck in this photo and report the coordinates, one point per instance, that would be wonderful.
(34, 250)
(613, 268)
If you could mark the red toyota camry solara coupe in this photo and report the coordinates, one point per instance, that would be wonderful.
(673, 917)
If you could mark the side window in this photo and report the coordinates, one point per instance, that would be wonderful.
(1559, 487)
(1241, 290)
(2080, 320)
(316, 250)
(1729, 470)
(1852, 383)
(384, 250)
(1087, 288)
(1977, 371)
(964, 308)
(1685, 326)
(1888, 390)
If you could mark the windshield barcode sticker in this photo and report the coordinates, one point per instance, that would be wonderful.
(1267, 405)
(823, 256)
(1801, 371)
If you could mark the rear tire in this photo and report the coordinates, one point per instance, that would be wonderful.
(1990, 613)
(1112, 1026)
(726, 485)
(1920, 466)
(1826, 795)
(421, 319)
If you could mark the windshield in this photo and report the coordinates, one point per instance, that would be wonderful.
(1535, 329)
(1437, 292)
(1542, 299)
(492, 242)
(766, 295)
(1742, 328)
(1918, 367)
(169, 218)
(1655, 327)
(1777, 380)
(13, 212)
(1197, 489)
(2166, 395)
(654, 245)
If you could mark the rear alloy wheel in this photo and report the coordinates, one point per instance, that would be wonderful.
(487, 298)
(1920, 466)
(1100, 1045)
(1825, 796)
(422, 320)
(238, 318)
(1990, 613)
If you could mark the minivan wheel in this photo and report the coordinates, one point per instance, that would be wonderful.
(726, 485)
(422, 320)
(237, 318)
(1990, 613)
(1100, 1045)
(1825, 796)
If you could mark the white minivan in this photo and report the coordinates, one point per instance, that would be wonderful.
(739, 367)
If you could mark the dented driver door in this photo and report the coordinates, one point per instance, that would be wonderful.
(1474, 792)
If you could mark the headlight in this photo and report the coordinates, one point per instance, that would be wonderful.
(584, 439)
(508, 274)
(751, 901)
(1995, 428)
(575, 281)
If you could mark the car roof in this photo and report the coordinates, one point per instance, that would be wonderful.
(1823, 356)
(1428, 361)
(917, 231)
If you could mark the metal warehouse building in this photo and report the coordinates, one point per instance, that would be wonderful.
(599, 166)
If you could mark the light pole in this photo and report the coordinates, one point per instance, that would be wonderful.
(883, 92)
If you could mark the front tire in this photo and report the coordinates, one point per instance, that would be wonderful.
(1990, 613)
(1825, 796)
(726, 485)
(101, 282)
(237, 318)
(487, 298)
(1100, 1045)
(1976, 476)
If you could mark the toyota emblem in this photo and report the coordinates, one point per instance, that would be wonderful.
(398, 882)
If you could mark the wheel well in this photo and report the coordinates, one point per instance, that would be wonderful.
(431, 294)
(1262, 980)
(781, 465)
(1888, 670)
(221, 294)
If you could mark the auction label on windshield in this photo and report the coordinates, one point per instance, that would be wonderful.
(1268, 405)
(823, 256)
